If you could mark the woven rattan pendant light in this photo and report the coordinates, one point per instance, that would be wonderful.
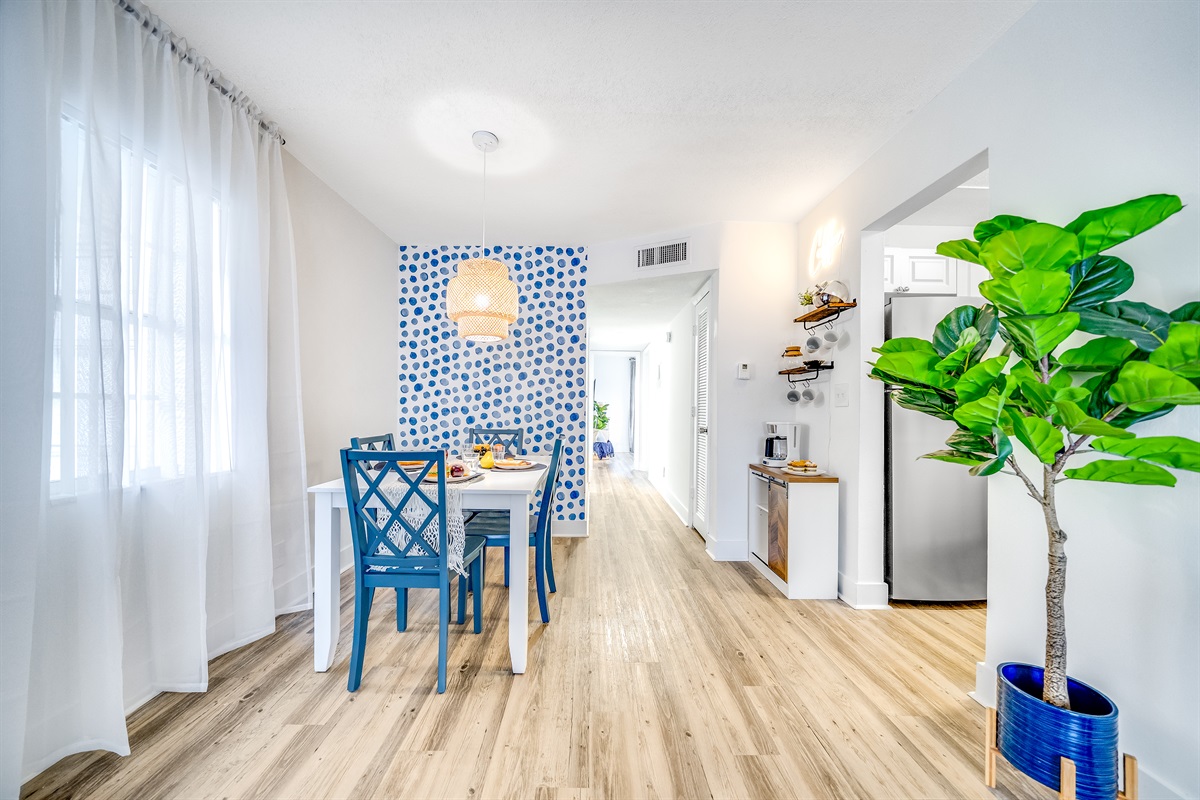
(481, 298)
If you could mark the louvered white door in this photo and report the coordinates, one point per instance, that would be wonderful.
(700, 483)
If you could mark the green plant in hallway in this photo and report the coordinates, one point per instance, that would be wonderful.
(599, 415)
(1071, 406)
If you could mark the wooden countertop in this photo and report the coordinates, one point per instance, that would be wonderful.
(788, 477)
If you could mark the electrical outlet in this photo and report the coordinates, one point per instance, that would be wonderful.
(841, 394)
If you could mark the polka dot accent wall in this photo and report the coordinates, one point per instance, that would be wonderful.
(534, 379)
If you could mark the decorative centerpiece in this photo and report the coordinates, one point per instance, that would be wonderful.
(1065, 407)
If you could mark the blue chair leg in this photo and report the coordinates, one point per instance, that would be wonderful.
(443, 630)
(402, 610)
(477, 576)
(550, 561)
(506, 566)
(539, 568)
(463, 582)
(362, 612)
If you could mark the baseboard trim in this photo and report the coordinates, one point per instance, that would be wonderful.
(570, 528)
(863, 596)
(681, 510)
(728, 549)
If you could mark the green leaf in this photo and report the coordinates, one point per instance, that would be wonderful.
(1180, 353)
(962, 249)
(927, 401)
(947, 332)
(913, 366)
(994, 465)
(1100, 406)
(966, 344)
(1103, 228)
(1096, 280)
(1004, 222)
(1172, 451)
(1071, 417)
(966, 442)
(980, 416)
(1145, 325)
(1188, 312)
(1135, 472)
(1038, 336)
(1031, 291)
(1146, 387)
(903, 344)
(975, 382)
(1102, 354)
(1043, 439)
(955, 457)
(1037, 245)
(1071, 394)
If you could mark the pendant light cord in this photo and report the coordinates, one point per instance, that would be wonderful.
(483, 245)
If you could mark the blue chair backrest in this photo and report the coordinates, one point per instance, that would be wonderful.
(511, 438)
(383, 441)
(372, 514)
(547, 500)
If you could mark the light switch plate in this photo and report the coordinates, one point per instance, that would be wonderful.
(841, 394)
(743, 371)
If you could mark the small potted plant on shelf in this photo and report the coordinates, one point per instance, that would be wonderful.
(1072, 410)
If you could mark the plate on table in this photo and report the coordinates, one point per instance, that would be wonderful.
(467, 476)
(516, 464)
(804, 473)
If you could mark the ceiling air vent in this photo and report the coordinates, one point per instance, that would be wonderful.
(663, 255)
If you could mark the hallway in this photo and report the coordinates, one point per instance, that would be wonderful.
(661, 674)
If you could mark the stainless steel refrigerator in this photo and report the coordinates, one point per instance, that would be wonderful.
(936, 520)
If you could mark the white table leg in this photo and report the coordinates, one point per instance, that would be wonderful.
(518, 582)
(327, 585)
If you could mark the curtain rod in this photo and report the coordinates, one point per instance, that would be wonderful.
(155, 26)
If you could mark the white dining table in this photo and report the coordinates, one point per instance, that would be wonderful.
(502, 490)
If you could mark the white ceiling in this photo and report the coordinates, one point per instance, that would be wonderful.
(615, 119)
(631, 314)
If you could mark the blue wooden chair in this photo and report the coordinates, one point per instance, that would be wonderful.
(383, 441)
(512, 438)
(414, 561)
(496, 532)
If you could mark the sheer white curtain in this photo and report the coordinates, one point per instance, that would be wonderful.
(156, 513)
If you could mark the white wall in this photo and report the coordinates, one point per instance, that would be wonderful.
(1054, 149)
(611, 379)
(347, 278)
(756, 289)
(929, 236)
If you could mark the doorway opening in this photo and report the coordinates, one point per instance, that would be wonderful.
(643, 345)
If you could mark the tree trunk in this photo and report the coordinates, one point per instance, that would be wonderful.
(1054, 690)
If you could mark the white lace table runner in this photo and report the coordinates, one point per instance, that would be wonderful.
(414, 513)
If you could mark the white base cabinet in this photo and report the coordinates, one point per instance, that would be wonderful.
(793, 524)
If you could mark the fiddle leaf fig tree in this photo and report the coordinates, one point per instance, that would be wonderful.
(1005, 375)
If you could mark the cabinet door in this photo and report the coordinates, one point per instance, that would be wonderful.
(777, 529)
(932, 274)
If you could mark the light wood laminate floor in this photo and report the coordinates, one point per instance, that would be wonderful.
(661, 674)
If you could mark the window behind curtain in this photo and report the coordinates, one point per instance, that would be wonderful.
(145, 301)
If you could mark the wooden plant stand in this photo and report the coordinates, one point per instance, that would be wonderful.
(1066, 781)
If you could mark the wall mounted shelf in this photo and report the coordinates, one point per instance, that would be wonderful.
(805, 374)
(824, 314)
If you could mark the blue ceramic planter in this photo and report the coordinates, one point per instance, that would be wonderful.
(1032, 734)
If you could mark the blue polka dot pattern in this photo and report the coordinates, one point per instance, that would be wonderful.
(534, 379)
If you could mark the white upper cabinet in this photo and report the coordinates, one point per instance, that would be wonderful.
(920, 271)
